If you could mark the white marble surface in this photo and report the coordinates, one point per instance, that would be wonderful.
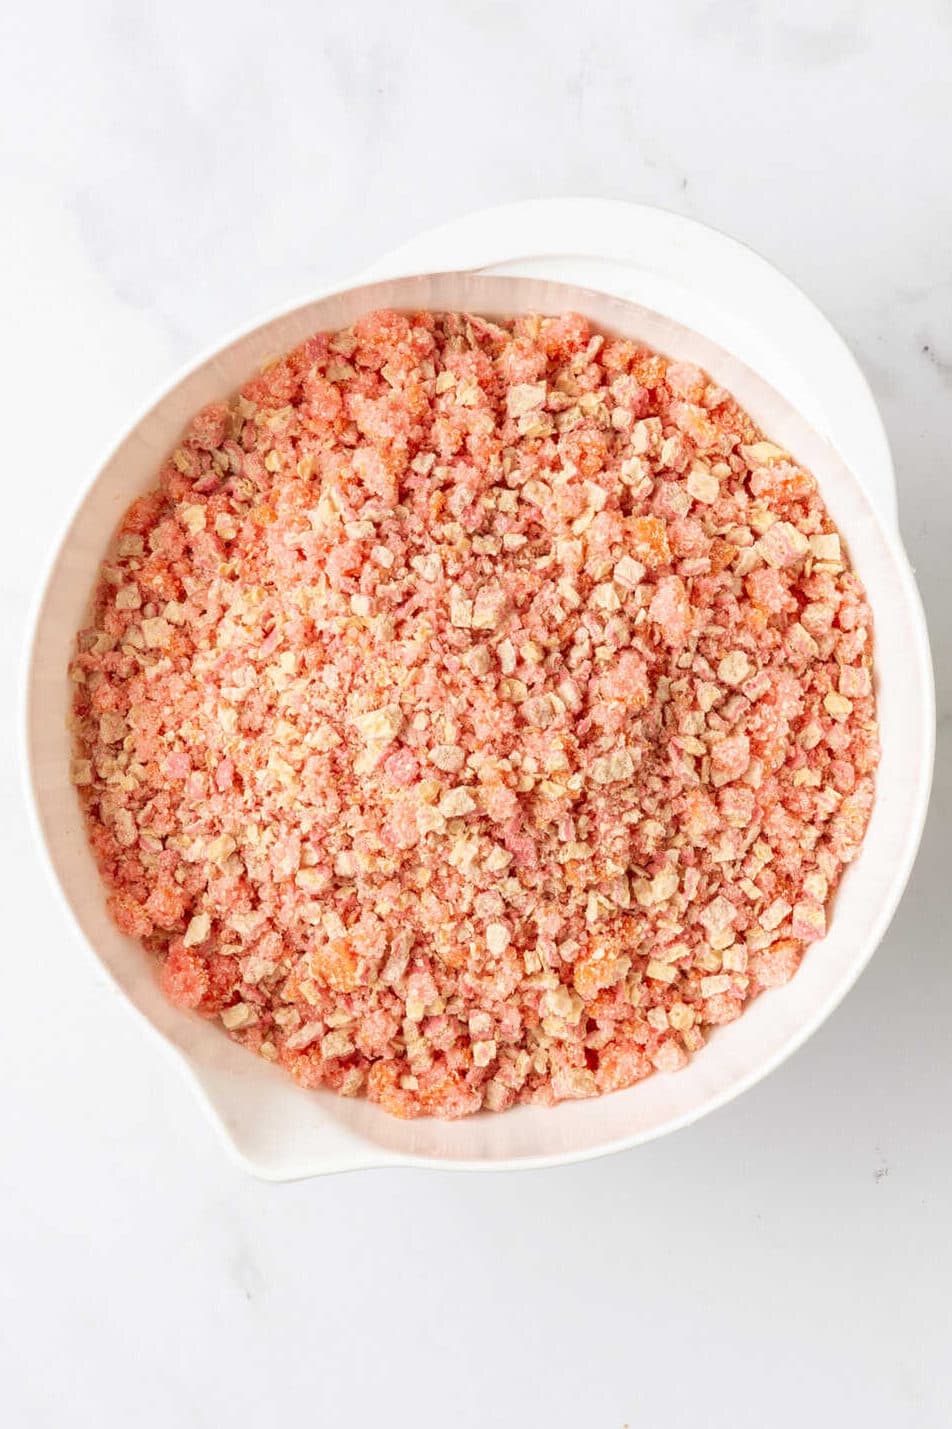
(168, 172)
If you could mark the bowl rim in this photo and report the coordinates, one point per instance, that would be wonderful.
(490, 233)
(372, 1156)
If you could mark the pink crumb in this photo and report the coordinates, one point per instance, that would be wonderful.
(475, 713)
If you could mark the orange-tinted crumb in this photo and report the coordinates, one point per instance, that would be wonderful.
(475, 713)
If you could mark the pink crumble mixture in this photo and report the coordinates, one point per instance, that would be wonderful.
(475, 713)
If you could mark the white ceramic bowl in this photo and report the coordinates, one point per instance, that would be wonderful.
(281, 1132)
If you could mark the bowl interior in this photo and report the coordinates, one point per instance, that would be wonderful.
(282, 1131)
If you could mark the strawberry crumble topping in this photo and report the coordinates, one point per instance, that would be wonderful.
(475, 713)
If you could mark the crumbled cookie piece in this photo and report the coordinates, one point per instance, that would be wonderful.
(475, 713)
